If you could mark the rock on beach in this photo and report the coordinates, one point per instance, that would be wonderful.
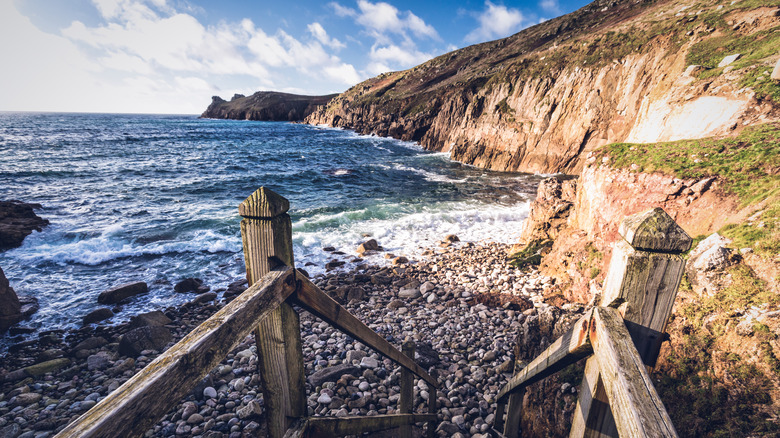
(119, 293)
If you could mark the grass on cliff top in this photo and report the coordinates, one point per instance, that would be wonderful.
(747, 166)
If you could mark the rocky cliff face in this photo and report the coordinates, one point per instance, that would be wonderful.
(613, 71)
(265, 105)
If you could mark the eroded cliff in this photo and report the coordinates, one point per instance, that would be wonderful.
(613, 71)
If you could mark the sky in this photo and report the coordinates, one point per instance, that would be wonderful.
(171, 56)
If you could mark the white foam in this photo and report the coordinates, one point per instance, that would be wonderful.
(406, 232)
(428, 175)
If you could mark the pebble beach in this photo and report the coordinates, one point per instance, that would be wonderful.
(462, 304)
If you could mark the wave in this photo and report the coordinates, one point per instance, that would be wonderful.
(110, 245)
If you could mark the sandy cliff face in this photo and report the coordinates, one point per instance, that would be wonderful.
(540, 100)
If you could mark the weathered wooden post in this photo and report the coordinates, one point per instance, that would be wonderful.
(642, 281)
(406, 401)
(514, 409)
(266, 231)
(432, 409)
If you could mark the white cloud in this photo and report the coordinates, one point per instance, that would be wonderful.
(397, 55)
(381, 18)
(147, 57)
(342, 11)
(496, 21)
(551, 6)
(319, 33)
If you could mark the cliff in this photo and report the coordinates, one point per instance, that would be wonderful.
(265, 105)
(613, 71)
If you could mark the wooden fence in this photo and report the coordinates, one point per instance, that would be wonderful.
(623, 337)
(266, 308)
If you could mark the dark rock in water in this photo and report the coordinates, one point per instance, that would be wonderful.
(154, 318)
(119, 293)
(29, 305)
(137, 340)
(188, 285)
(332, 374)
(98, 315)
(17, 221)
(10, 307)
(265, 105)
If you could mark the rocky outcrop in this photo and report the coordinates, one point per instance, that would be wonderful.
(10, 307)
(265, 105)
(540, 100)
(584, 223)
(17, 221)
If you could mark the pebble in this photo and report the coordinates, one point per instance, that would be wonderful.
(442, 310)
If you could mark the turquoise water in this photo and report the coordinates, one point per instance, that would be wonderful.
(154, 198)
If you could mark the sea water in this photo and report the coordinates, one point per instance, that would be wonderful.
(154, 198)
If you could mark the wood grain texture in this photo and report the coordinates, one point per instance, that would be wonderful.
(139, 403)
(514, 410)
(333, 427)
(263, 203)
(406, 400)
(266, 231)
(654, 230)
(569, 348)
(311, 298)
(637, 409)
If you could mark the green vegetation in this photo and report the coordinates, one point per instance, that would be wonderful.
(746, 290)
(747, 166)
(592, 262)
(729, 399)
(531, 254)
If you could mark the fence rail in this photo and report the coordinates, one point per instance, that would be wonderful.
(266, 308)
(622, 339)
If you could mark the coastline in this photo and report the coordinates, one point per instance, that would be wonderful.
(431, 300)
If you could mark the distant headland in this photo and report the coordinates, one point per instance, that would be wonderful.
(265, 105)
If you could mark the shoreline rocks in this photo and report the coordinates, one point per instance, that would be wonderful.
(459, 338)
(119, 293)
(17, 221)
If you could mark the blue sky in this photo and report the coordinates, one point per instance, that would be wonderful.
(171, 56)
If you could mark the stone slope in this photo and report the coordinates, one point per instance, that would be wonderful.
(613, 71)
(265, 105)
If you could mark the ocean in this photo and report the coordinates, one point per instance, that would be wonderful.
(154, 198)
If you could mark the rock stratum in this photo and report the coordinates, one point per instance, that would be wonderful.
(613, 71)
(266, 106)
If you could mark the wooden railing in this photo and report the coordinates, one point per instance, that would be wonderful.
(266, 308)
(623, 338)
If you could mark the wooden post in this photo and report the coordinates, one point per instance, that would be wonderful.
(266, 231)
(642, 281)
(513, 409)
(432, 409)
(406, 402)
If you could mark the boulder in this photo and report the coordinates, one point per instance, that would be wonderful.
(137, 340)
(10, 307)
(776, 72)
(409, 293)
(355, 293)
(400, 260)
(17, 221)
(119, 293)
(153, 318)
(98, 315)
(332, 374)
(204, 298)
(369, 245)
(89, 344)
(191, 285)
(729, 59)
